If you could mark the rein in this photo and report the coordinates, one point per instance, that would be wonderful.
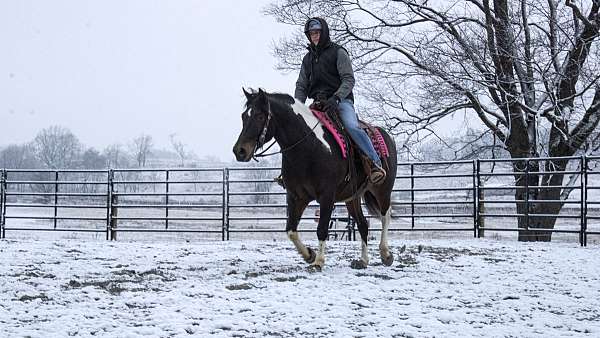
(261, 140)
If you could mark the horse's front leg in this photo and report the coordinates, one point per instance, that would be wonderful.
(295, 209)
(326, 208)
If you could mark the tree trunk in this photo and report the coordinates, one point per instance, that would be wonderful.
(549, 190)
(526, 190)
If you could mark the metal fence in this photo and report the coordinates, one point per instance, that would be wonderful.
(469, 196)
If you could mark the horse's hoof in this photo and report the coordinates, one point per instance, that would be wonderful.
(315, 268)
(387, 261)
(358, 264)
(311, 256)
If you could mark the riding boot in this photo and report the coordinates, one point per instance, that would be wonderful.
(377, 174)
(279, 180)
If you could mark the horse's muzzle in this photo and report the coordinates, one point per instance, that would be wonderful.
(243, 152)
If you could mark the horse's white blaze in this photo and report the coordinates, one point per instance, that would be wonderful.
(293, 236)
(310, 120)
(320, 259)
(383, 243)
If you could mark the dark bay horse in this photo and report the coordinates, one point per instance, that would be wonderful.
(313, 169)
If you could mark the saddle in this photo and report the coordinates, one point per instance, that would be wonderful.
(334, 125)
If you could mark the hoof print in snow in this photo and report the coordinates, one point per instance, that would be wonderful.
(27, 298)
(376, 275)
(510, 298)
(288, 279)
(252, 274)
(358, 264)
(405, 261)
(243, 286)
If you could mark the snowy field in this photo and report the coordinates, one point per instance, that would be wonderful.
(435, 288)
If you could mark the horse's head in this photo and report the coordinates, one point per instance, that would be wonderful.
(256, 126)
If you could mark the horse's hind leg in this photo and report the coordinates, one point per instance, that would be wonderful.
(387, 258)
(355, 211)
(295, 209)
(381, 208)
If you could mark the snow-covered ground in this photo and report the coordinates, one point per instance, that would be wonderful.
(441, 288)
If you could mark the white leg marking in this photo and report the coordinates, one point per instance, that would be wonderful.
(320, 260)
(384, 249)
(364, 252)
(310, 120)
(295, 238)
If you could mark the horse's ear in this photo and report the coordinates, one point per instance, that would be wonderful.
(262, 96)
(261, 93)
(248, 95)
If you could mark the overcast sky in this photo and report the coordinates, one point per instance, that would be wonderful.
(111, 70)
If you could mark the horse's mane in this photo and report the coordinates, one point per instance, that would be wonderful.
(282, 98)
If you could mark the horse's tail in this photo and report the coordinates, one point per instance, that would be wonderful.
(375, 207)
(372, 204)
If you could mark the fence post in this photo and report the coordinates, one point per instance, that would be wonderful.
(412, 195)
(113, 202)
(108, 201)
(480, 203)
(527, 194)
(55, 197)
(225, 216)
(475, 197)
(167, 199)
(3, 203)
(583, 197)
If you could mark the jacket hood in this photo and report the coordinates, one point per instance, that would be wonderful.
(324, 39)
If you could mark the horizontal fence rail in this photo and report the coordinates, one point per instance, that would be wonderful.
(478, 196)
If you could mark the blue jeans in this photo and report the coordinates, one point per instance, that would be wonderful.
(359, 136)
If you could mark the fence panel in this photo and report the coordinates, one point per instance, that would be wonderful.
(168, 201)
(54, 200)
(500, 187)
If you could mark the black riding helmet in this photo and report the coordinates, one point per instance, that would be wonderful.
(324, 39)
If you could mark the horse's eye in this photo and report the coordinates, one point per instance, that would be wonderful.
(261, 118)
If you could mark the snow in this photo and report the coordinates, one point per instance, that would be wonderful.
(439, 287)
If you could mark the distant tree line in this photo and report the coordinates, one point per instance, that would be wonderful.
(57, 147)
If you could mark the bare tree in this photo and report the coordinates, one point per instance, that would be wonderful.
(519, 67)
(116, 156)
(92, 159)
(57, 147)
(18, 156)
(141, 148)
(179, 148)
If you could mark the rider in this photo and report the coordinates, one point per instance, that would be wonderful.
(326, 74)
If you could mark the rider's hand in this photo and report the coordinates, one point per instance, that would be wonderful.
(331, 105)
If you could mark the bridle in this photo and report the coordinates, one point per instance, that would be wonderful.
(261, 139)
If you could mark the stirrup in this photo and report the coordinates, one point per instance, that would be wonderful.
(279, 180)
(377, 175)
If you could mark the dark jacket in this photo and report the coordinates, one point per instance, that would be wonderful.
(326, 69)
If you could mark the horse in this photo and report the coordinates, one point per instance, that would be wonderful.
(313, 168)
